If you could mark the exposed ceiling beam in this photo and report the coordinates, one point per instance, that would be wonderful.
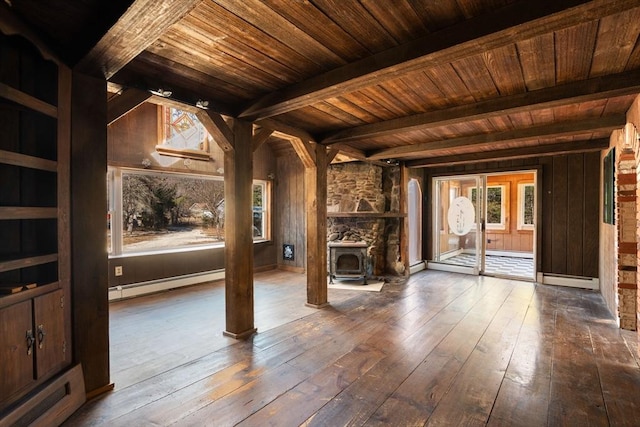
(215, 124)
(513, 23)
(284, 130)
(583, 91)
(512, 153)
(168, 102)
(260, 137)
(121, 104)
(10, 24)
(305, 151)
(603, 124)
(141, 25)
(356, 154)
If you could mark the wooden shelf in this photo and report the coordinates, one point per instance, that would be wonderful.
(8, 300)
(16, 263)
(365, 215)
(22, 160)
(19, 212)
(28, 101)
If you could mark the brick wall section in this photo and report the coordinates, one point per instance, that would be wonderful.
(637, 255)
(626, 219)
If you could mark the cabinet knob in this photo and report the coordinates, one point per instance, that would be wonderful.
(41, 334)
(30, 341)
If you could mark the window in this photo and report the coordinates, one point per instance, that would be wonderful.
(496, 202)
(608, 177)
(183, 135)
(526, 206)
(260, 203)
(155, 211)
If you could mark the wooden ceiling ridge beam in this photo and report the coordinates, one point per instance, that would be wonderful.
(513, 153)
(627, 83)
(515, 22)
(120, 105)
(607, 123)
(140, 26)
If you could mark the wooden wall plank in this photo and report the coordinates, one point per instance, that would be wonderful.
(591, 235)
(575, 217)
(290, 208)
(558, 214)
(545, 214)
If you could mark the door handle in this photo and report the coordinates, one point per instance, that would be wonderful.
(41, 335)
(30, 341)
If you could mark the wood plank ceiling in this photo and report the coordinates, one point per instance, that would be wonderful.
(429, 82)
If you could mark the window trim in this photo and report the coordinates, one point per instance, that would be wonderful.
(114, 210)
(504, 189)
(266, 210)
(165, 148)
(521, 200)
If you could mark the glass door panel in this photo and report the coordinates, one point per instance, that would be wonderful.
(457, 226)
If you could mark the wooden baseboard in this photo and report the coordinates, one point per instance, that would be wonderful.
(53, 404)
(291, 268)
(264, 268)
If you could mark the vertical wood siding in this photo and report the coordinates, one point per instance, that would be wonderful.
(290, 215)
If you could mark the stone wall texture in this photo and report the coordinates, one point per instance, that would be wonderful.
(362, 187)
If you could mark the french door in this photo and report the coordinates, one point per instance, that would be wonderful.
(485, 224)
(458, 232)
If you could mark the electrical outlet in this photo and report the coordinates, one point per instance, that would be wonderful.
(119, 270)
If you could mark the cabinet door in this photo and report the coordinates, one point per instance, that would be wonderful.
(16, 357)
(51, 354)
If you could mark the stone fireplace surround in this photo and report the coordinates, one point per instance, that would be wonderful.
(361, 202)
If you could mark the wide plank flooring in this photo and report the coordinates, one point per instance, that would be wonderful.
(439, 349)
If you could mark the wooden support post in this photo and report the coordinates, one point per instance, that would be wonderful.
(238, 227)
(315, 179)
(89, 285)
(315, 159)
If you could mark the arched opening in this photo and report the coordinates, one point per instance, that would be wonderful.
(415, 222)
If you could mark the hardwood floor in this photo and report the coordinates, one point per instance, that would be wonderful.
(439, 349)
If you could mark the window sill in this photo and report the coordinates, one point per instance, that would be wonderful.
(178, 250)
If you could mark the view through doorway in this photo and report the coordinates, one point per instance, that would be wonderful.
(485, 224)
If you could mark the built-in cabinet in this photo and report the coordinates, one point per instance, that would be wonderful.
(35, 318)
(33, 342)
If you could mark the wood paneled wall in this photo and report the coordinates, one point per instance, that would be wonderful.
(570, 215)
(134, 137)
(290, 214)
(568, 209)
